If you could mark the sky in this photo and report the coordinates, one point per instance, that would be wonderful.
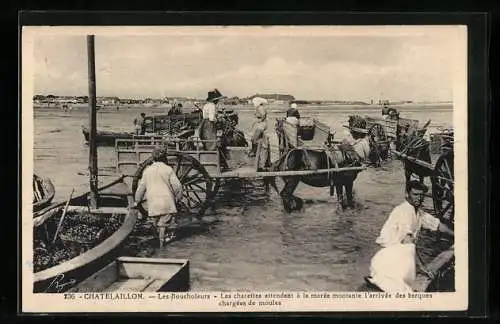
(337, 66)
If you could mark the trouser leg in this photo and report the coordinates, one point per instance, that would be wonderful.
(164, 226)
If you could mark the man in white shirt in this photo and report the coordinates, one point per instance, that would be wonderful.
(260, 135)
(210, 108)
(393, 268)
(162, 188)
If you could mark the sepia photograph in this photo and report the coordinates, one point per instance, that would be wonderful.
(244, 168)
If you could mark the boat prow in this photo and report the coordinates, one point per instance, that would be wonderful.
(114, 200)
(44, 191)
(139, 275)
(106, 138)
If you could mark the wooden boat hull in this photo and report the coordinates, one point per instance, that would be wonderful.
(48, 193)
(63, 276)
(105, 138)
(138, 275)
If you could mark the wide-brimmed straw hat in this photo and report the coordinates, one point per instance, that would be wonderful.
(293, 105)
(214, 95)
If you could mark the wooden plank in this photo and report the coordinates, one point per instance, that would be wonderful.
(161, 270)
(99, 280)
(414, 160)
(156, 285)
(247, 174)
(422, 281)
(134, 285)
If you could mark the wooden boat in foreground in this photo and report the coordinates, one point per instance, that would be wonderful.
(43, 192)
(106, 138)
(59, 263)
(443, 267)
(138, 275)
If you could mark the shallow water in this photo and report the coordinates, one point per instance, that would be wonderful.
(253, 245)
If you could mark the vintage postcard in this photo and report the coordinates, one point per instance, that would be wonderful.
(244, 169)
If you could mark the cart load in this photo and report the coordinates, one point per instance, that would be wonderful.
(309, 132)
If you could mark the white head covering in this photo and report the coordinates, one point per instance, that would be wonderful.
(294, 106)
(258, 101)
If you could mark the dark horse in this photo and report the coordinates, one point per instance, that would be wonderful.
(296, 159)
(221, 134)
(417, 147)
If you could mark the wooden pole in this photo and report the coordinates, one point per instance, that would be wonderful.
(92, 123)
(62, 216)
(260, 174)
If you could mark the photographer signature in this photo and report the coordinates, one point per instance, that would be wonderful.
(57, 285)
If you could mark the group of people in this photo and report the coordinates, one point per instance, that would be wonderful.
(389, 113)
(393, 268)
(176, 109)
(159, 183)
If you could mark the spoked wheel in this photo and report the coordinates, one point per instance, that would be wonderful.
(197, 186)
(377, 133)
(443, 187)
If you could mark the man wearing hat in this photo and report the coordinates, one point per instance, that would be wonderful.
(260, 132)
(162, 188)
(209, 111)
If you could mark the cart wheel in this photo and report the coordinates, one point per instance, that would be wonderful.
(197, 186)
(443, 186)
(377, 133)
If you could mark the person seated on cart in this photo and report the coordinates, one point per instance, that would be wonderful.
(259, 133)
(162, 189)
(393, 268)
(385, 111)
(292, 114)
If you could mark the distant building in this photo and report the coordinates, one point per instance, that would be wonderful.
(274, 97)
(108, 100)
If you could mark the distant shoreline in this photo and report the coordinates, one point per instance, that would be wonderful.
(272, 106)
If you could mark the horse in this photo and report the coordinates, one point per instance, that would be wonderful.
(221, 134)
(299, 158)
(414, 145)
(379, 146)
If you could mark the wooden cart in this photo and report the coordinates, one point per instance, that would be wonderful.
(201, 171)
(442, 178)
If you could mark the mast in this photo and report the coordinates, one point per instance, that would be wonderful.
(92, 123)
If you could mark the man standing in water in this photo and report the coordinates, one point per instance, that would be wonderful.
(139, 124)
(260, 132)
(393, 268)
(162, 188)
